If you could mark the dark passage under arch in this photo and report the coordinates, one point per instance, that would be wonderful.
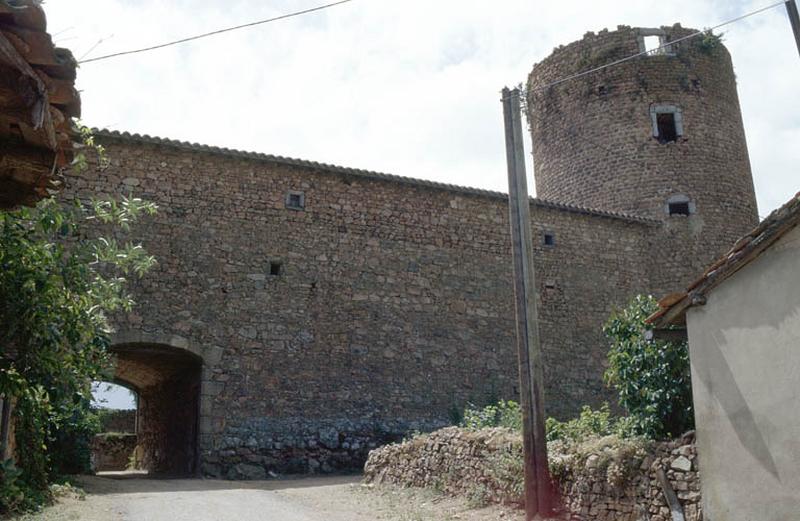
(167, 381)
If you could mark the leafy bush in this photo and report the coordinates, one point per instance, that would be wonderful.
(502, 414)
(651, 377)
(591, 423)
(58, 282)
(15, 494)
(709, 42)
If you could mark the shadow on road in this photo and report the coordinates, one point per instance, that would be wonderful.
(138, 483)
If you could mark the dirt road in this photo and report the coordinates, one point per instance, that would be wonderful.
(309, 499)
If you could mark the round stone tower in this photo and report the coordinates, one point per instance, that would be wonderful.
(659, 136)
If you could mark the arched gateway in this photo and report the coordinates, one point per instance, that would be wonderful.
(167, 380)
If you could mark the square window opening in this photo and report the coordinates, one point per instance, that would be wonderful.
(667, 129)
(295, 200)
(679, 208)
(275, 268)
(549, 239)
(653, 43)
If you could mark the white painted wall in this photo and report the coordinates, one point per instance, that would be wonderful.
(745, 353)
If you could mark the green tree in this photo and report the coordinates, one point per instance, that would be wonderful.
(651, 377)
(59, 279)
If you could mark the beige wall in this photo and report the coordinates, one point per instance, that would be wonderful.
(745, 352)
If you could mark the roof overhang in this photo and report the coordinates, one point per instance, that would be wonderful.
(37, 100)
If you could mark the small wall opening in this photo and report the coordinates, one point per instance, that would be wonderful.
(653, 43)
(667, 122)
(549, 239)
(295, 200)
(666, 127)
(680, 205)
(275, 268)
(679, 209)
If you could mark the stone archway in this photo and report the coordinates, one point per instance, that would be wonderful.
(167, 380)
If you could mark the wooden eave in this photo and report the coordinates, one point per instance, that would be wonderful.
(37, 100)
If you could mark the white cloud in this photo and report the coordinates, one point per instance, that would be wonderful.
(409, 87)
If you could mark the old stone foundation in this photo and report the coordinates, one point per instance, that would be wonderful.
(600, 480)
(261, 448)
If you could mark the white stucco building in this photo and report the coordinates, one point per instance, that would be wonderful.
(743, 323)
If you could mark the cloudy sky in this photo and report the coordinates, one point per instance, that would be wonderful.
(409, 87)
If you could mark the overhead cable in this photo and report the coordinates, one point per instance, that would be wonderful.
(655, 49)
(213, 33)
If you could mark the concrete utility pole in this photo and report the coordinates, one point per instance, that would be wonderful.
(539, 497)
(794, 19)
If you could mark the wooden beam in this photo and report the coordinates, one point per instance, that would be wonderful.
(675, 508)
(539, 493)
(34, 46)
(40, 116)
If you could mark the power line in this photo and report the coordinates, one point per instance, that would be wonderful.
(212, 33)
(656, 49)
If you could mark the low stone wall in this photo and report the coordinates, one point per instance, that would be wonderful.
(261, 449)
(112, 451)
(600, 480)
(453, 460)
(118, 420)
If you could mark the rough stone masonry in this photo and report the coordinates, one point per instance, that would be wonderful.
(312, 312)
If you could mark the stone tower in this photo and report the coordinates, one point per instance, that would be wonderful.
(659, 136)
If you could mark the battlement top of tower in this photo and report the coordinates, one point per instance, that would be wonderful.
(595, 49)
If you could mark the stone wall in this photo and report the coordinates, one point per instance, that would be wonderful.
(392, 305)
(333, 308)
(601, 480)
(167, 436)
(118, 420)
(112, 451)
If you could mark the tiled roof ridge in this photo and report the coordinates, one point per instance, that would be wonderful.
(185, 145)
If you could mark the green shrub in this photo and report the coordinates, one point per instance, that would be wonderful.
(591, 423)
(708, 42)
(651, 377)
(59, 281)
(505, 413)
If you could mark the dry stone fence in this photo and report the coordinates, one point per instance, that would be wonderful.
(603, 479)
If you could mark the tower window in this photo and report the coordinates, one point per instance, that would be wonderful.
(680, 205)
(295, 200)
(667, 121)
(666, 127)
(679, 208)
(275, 268)
(653, 43)
(549, 239)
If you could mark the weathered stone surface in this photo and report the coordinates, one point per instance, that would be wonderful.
(609, 485)
(385, 304)
(112, 451)
(681, 463)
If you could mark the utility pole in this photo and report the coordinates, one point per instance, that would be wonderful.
(794, 19)
(539, 497)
